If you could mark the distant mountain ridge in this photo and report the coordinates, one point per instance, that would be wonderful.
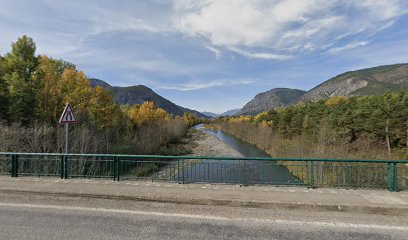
(277, 97)
(368, 81)
(211, 114)
(140, 94)
(231, 112)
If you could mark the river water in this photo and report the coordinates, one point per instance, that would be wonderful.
(237, 171)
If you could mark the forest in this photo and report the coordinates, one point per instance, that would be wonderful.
(365, 127)
(34, 90)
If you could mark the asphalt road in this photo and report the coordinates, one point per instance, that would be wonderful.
(43, 217)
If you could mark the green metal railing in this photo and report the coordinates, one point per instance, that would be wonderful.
(342, 173)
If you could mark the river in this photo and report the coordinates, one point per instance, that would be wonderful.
(238, 171)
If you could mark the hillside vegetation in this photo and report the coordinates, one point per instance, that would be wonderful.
(339, 127)
(34, 90)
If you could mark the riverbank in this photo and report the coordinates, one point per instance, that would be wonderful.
(199, 143)
(208, 145)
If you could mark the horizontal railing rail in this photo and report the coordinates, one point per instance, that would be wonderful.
(210, 157)
(310, 172)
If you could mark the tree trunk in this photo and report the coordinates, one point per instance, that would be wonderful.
(387, 137)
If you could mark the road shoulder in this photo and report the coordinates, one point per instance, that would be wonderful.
(264, 197)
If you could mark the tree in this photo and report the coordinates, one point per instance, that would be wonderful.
(19, 67)
(50, 72)
(103, 111)
(190, 119)
(146, 113)
(77, 91)
(4, 93)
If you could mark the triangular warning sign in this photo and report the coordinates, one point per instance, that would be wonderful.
(68, 115)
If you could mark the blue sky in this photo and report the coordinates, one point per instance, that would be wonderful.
(212, 55)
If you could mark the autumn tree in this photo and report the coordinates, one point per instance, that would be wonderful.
(50, 72)
(146, 113)
(190, 119)
(102, 110)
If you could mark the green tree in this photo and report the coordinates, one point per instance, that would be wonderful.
(19, 67)
(4, 93)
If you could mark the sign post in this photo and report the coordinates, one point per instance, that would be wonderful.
(67, 118)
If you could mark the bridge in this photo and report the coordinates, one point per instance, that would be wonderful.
(312, 173)
(97, 196)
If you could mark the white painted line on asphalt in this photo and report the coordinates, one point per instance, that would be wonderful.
(203, 217)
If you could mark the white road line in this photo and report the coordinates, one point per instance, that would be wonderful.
(203, 217)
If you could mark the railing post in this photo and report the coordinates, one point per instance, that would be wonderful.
(389, 176)
(311, 174)
(244, 179)
(66, 167)
(118, 169)
(178, 170)
(62, 166)
(239, 171)
(182, 168)
(14, 165)
(208, 172)
(115, 165)
(395, 182)
(307, 173)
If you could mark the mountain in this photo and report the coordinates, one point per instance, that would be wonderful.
(97, 82)
(197, 113)
(277, 97)
(231, 112)
(227, 113)
(211, 114)
(140, 94)
(369, 81)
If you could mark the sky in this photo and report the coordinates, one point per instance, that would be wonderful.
(212, 55)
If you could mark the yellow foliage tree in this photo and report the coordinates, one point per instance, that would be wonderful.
(102, 109)
(190, 119)
(146, 113)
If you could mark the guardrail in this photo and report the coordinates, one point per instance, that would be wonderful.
(343, 173)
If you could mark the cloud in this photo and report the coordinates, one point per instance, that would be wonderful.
(262, 29)
(284, 25)
(195, 85)
(261, 55)
(347, 47)
(217, 53)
